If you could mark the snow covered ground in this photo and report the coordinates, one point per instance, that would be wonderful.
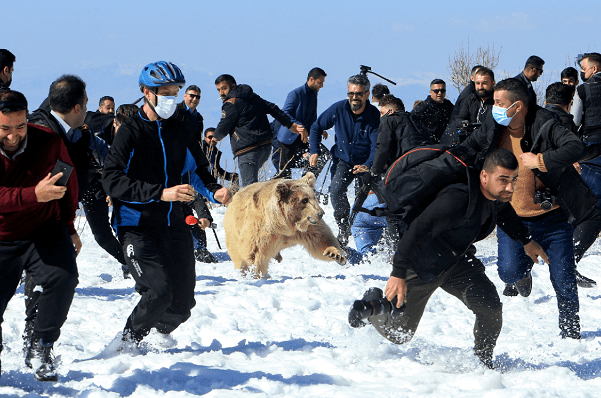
(288, 336)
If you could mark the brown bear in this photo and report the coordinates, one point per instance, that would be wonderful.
(266, 217)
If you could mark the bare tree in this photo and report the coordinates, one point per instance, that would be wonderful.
(463, 61)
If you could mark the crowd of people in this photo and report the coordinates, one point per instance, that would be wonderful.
(534, 175)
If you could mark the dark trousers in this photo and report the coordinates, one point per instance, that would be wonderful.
(291, 156)
(97, 214)
(250, 162)
(465, 280)
(161, 262)
(49, 260)
(342, 176)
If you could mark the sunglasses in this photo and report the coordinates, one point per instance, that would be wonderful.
(439, 90)
(353, 94)
(194, 96)
(210, 137)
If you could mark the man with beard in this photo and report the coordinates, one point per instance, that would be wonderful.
(532, 71)
(7, 60)
(437, 251)
(466, 92)
(244, 118)
(355, 123)
(474, 109)
(432, 116)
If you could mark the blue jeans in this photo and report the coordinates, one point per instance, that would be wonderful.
(367, 230)
(591, 174)
(342, 176)
(554, 234)
(250, 162)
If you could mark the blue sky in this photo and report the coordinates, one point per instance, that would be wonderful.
(271, 45)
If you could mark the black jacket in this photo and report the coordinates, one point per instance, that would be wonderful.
(396, 135)
(147, 157)
(467, 91)
(195, 121)
(531, 93)
(565, 119)
(560, 149)
(445, 231)
(244, 116)
(86, 160)
(590, 94)
(101, 124)
(432, 118)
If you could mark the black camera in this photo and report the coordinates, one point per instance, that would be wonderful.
(363, 309)
(545, 198)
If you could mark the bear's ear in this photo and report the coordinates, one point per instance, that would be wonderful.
(309, 179)
(282, 191)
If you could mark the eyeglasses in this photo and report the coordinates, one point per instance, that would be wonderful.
(353, 94)
(439, 90)
(194, 96)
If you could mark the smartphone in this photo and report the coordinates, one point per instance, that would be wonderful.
(65, 168)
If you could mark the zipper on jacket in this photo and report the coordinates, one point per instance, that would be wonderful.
(166, 176)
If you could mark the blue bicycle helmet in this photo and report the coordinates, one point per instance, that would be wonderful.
(159, 74)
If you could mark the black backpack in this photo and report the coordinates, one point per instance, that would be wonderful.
(417, 176)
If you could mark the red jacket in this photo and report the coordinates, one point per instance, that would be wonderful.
(20, 213)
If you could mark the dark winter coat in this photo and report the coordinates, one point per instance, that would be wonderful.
(244, 116)
(445, 231)
(396, 135)
(565, 119)
(214, 156)
(432, 118)
(473, 110)
(560, 149)
(531, 93)
(467, 91)
(194, 120)
(356, 138)
(101, 125)
(87, 153)
(147, 157)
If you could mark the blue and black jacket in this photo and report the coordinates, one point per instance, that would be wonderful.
(147, 157)
(301, 107)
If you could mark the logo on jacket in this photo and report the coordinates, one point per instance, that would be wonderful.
(223, 114)
(130, 250)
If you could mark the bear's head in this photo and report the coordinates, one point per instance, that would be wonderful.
(297, 202)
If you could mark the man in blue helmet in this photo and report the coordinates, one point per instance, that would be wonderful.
(143, 175)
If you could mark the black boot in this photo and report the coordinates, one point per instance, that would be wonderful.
(27, 336)
(344, 231)
(510, 290)
(583, 281)
(485, 356)
(41, 359)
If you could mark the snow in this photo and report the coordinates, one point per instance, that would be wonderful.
(288, 336)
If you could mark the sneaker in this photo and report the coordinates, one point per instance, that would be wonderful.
(510, 290)
(524, 285)
(583, 281)
(41, 359)
(204, 256)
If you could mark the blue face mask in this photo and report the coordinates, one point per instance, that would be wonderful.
(500, 115)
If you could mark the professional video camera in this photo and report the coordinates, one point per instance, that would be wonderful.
(363, 309)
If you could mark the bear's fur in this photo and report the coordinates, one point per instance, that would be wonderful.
(266, 217)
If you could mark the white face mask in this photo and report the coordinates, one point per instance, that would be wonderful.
(165, 107)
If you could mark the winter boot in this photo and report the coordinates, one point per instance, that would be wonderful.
(524, 285)
(510, 290)
(485, 356)
(583, 281)
(27, 336)
(344, 231)
(41, 359)
(204, 256)
(570, 327)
